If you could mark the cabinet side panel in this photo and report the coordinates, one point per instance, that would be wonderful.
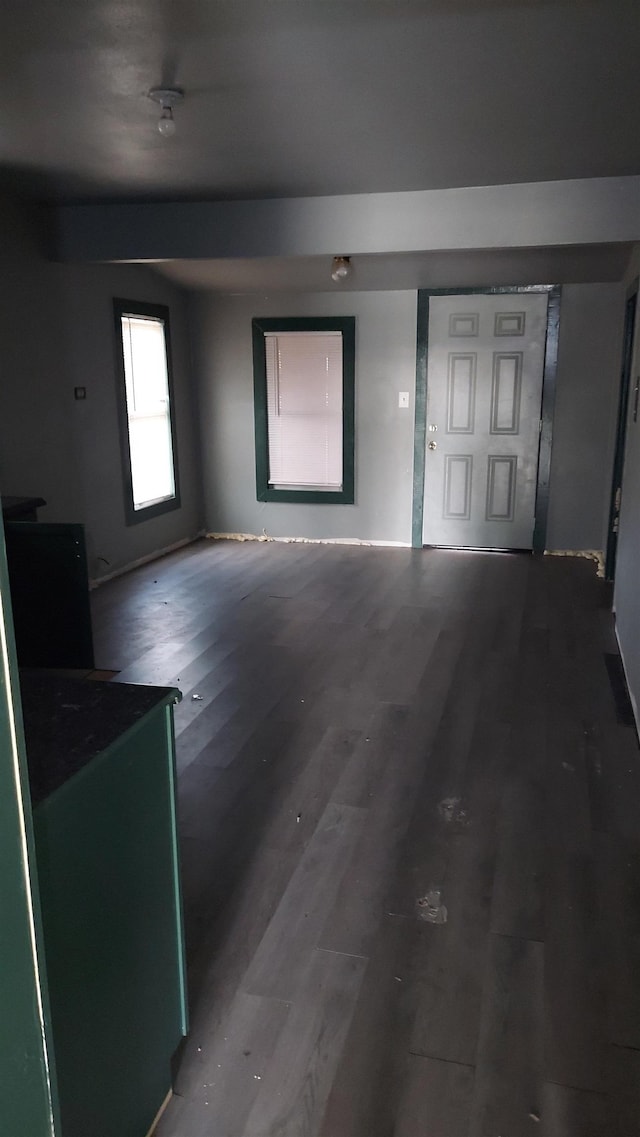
(107, 865)
(27, 1083)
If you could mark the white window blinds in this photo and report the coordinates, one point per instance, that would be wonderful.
(148, 411)
(304, 409)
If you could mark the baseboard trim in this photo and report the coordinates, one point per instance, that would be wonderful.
(634, 703)
(154, 1123)
(264, 536)
(95, 582)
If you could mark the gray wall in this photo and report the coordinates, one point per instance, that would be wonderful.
(37, 439)
(591, 318)
(56, 332)
(584, 427)
(385, 365)
(627, 580)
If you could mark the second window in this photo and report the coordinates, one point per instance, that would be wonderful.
(304, 409)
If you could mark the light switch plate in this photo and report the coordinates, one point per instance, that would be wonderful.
(403, 399)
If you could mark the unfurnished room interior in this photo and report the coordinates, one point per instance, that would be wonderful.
(319, 568)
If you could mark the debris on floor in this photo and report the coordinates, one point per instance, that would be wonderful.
(590, 554)
(197, 698)
(449, 809)
(430, 907)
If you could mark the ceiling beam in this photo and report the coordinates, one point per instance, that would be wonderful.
(528, 215)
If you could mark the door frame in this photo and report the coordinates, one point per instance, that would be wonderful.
(554, 292)
(628, 337)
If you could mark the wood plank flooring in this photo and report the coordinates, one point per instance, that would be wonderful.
(359, 727)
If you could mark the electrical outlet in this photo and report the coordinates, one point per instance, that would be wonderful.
(403, 399)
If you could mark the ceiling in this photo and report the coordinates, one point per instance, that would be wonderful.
(295, 98)
(314, 97)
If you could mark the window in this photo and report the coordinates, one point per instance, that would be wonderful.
(304, 409)
(145, 400)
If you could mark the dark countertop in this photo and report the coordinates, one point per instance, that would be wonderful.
(68, 722)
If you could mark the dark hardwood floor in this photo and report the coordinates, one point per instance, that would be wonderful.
(361, 729)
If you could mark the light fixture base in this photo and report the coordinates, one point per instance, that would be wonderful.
(166, 96)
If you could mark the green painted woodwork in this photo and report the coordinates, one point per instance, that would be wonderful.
(548, 400)
(628, 338)
(346, 325)
(420, 424)
(546, 416)
(111, 912)
(50, 594)
(27, 1097)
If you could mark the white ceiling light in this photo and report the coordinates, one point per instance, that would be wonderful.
(340, 269)
(168, 98)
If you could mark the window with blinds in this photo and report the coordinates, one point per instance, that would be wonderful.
(150, 475)
(304, 409)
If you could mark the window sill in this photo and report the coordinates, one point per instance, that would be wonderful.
(167, 505)
(309, 497)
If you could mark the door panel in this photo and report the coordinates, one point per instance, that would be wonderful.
(484, 389)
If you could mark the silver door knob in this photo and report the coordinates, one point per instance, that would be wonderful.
(432, 445)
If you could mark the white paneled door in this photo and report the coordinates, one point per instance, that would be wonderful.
(484, 390)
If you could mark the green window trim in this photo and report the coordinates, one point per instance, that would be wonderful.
(122, 308)
(347, 326)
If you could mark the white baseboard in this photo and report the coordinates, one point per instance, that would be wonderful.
(95, 582)
(308, 540)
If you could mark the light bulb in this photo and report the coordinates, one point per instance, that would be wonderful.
(340, 269)
(166, 123)
(167, 98)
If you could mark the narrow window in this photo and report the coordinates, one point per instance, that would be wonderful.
(150, 474)
(304, 400)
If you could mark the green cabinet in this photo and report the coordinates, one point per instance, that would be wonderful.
(102, 772)
(27, 1077)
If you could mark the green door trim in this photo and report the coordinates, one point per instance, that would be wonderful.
(628, 340)
(546, 413)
